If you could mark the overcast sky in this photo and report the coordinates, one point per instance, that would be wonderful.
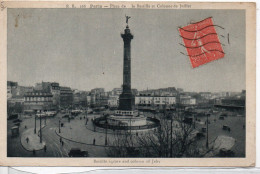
(82, 49)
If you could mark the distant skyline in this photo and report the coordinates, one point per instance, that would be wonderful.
(82, 49)
(33, 85)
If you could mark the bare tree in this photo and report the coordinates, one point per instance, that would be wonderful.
(174, 138)
(122, 145)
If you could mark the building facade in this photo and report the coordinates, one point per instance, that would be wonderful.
(187, 100)
(206, 95)
(149, 100)
(38, 101)
(55, 91)
(113, 101)
(66, 97)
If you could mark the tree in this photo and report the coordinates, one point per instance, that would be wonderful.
(123, 145)
(173, 138)
(177, 141)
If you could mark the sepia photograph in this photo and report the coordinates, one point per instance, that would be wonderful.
(138, 83)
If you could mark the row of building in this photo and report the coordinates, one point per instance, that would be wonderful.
(42, 96)
(52, 96)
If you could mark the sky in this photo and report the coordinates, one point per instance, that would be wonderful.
(83, 49)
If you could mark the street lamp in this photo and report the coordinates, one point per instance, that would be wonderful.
(171, 136)
(40, 127)
(59, 126)
(35, 122)
(45, 117)
(86, 117)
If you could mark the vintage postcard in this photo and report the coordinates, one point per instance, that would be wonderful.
(127, 84)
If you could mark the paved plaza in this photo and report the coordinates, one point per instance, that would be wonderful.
(31, 141)
(77, 134)
(216, 132)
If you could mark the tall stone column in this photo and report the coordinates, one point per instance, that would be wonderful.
(126, 99)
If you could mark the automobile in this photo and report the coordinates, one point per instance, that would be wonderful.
(76, 152)
(226, 153)
(188, 120)
(17, 124)
(224, 115)
(66, 116)
(63, 111)
(17, 121)
(74, 113)
(15, 131)
(200, 135)
(225, 127)
(221, 118)
(203, 129)
(13, 116)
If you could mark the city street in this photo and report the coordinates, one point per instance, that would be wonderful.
(215, 126)
(216, 129)
(51, 139)
(76, 134)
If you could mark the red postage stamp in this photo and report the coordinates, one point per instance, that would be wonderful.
(202, 42)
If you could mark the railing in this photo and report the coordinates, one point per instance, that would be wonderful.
(104, 125)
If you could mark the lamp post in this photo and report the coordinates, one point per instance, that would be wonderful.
(45, 117)
(207, 141)
(59, 126)
(35, 122)
(87, 117)
(40, 127)
(171, 135)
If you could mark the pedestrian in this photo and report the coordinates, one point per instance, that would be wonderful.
(94, 141)
(25, 127)
(27, 139)
(45, 148)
